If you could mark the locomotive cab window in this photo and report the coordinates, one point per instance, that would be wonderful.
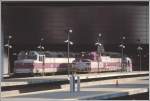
(27, 55)
(41, 58)
(128, 63)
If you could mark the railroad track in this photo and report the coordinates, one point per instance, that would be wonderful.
(57, 84)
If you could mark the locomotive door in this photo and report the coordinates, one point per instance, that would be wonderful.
(42, 60)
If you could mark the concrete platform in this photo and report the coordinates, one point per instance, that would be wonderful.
(96, 90)
(56, 78)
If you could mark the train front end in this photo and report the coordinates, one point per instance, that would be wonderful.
(25, 62)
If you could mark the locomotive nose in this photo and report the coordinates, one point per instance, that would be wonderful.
(24, 63)
(81, 65)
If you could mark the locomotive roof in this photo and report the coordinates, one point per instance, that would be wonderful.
(113, 54)
(55, 54)
(73, 54)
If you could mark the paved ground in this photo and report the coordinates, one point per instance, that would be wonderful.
(55, 78)
(97, 90)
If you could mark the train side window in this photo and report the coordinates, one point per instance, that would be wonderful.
(128, 63)
(40, 58)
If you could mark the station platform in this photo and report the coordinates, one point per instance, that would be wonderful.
(58, 78)
(97, 90)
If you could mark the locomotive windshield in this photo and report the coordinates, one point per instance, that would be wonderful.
(27, 55)
(85, 55)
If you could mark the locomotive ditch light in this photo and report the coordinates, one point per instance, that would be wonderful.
(83, 53)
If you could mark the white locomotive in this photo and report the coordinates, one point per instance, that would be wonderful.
(39, 62)
(90, 63)
(52, 62)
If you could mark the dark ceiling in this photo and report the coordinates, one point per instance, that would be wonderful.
(29, 21)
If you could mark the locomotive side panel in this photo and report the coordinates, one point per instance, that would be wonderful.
(52, 65)
(23, 66)
(94, 66)
(114, 64)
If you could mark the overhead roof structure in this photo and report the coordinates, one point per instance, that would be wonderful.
(29, 21)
